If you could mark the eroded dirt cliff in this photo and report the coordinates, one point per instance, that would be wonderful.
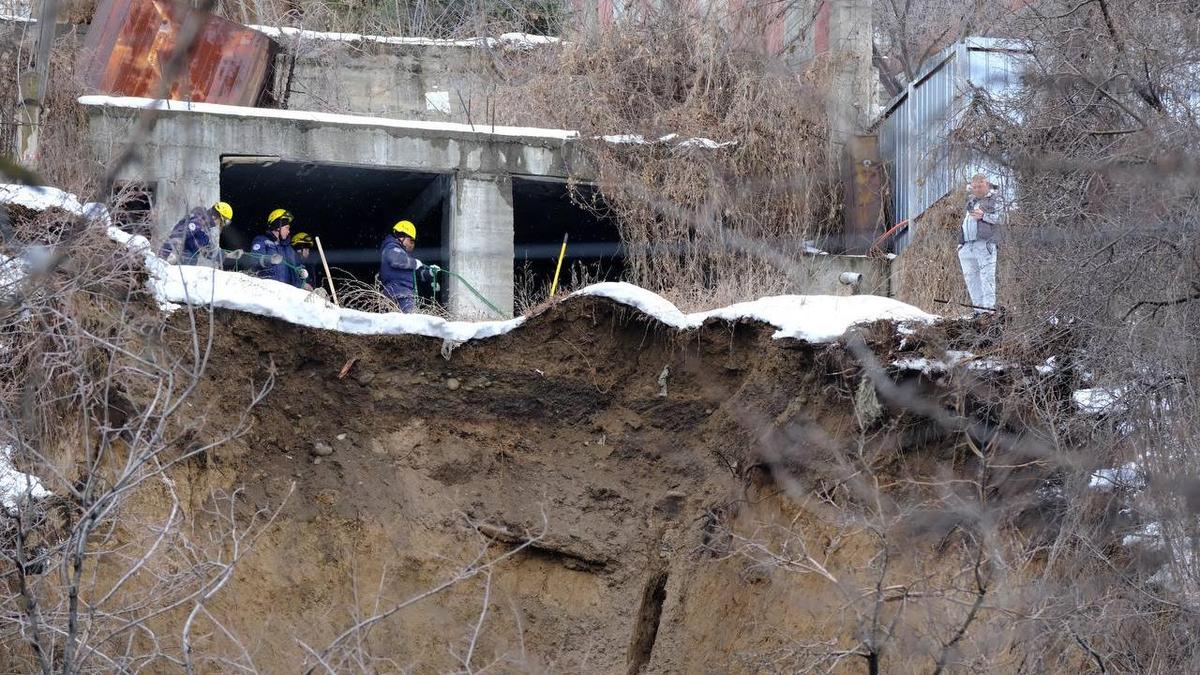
(638, 466)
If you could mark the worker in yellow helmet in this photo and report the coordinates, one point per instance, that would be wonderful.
(399, 270)
(303, 244)
(196, 239)
(272, 255)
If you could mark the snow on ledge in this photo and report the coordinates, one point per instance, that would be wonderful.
(813, 318)
(139, 103)
(175, 285)
(507, 40)
(39, 198)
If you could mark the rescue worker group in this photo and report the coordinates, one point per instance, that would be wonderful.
(288, 258)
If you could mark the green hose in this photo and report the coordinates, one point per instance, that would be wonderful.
(477, 294)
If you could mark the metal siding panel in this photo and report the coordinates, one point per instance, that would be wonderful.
(130, 40)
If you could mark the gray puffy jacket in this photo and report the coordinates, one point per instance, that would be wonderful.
(988, 227)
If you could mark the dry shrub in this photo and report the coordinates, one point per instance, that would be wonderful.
(929, 269)
(426, 18)
(370, 297)
(688, 216)
(64, 128)
(532, 291)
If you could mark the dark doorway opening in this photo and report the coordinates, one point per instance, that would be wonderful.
(133, 206)
(542, 211)
(351, 208)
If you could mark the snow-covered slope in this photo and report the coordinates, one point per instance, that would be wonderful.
(814, 318)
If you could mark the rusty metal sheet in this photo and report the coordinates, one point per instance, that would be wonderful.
(863, 186)
(130, 41)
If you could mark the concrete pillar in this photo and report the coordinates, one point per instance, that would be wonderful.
(479, 239)
(852, 90)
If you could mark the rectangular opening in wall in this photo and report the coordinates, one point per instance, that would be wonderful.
(133, 206)
(351, 208)
(543, 210)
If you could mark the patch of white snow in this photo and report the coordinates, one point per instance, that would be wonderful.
(669, 139)
(1099, 400)
(1127, 476)
(39, 197)
(16, 486)
(813, 318)
(510, 40)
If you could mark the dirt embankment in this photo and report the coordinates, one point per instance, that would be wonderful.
(636, 453)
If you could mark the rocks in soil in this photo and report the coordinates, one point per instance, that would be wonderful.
(453, 383)
(321, 449)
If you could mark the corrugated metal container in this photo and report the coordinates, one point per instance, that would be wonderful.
(130, 41)
(914, 131)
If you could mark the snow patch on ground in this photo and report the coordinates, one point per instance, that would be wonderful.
(1099, 400)
(1126, 476)
(17, 487)
(952, 358)
(507, 40)
(669, 139)
(325, 118)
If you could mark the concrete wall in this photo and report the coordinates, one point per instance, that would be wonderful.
(818, 275)
(182, 158)
(413, 82)
(182, 162)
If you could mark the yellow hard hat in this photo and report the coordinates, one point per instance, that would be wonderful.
(224, 210)
(279, 213)
(405, 227)
(302, 240)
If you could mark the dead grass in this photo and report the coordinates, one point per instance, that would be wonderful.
(532, 295)
(369, 297)
(689, 217)
(929, 270)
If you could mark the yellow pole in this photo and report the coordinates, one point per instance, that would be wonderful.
(328, 276)
(558, 268)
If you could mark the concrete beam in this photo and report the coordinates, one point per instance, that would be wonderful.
(479, 237)
(437, 190)
(183, 154)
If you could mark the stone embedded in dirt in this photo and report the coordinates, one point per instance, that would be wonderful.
(322, 449)
(316, 460)
(341, 437)
(453, 383)
(364, 377)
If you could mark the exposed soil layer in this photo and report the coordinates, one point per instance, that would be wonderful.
(566, 430)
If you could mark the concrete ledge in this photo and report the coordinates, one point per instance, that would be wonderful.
(470, 132)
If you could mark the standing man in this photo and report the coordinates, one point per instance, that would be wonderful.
(399, 270)
(195, 240)
(977, 242)
(272, 255)
(303, 243)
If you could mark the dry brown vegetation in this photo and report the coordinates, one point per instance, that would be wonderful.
(702, 225)
(601, 492)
